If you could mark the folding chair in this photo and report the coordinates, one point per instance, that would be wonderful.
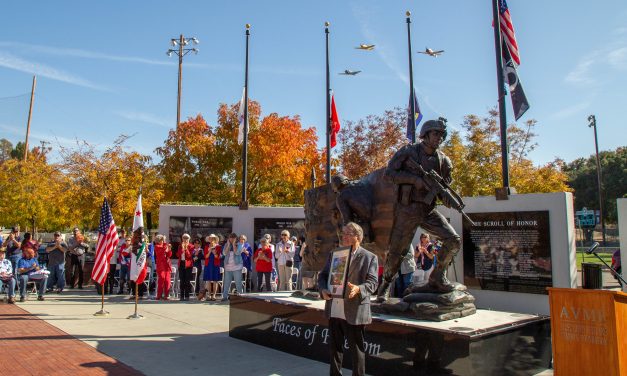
(5, 290)
(294, 280)
(147, 280)
(31, 288)
(244, 275)
(193, 281)
(174, 293)
(221, 281)
(116, 276)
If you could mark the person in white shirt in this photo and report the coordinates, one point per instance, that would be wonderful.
(6, 276)
(284, 255)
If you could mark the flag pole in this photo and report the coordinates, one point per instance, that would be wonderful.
(244, 203)
(135, 315)
(328, 103)
(503, 192)
(102, 311)
(412, 100)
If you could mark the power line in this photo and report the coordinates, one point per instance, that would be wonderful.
(16, 96)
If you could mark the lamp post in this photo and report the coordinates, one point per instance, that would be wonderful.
(593, 124)
(181, 51)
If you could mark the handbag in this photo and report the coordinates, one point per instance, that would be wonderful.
(289, 263)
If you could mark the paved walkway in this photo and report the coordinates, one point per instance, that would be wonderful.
(174, 338)
(38, 348)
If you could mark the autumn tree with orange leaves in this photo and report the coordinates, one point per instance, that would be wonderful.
(368, 144)
(204, 164)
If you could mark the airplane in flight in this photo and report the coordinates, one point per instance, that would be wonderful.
(430, 52)
(349, 72)
(366, 47)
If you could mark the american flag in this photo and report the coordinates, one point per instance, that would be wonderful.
(107, 241)
(507, 31)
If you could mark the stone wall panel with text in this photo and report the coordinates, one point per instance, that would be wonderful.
(508, 251)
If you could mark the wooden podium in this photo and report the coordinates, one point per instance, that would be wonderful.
(589, 332)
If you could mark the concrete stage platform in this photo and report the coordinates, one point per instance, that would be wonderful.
(487, 343)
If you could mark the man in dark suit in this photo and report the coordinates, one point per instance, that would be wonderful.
(348, 317)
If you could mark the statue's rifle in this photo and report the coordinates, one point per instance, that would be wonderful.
(439, 186)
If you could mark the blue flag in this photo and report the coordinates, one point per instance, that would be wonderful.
(411, 128)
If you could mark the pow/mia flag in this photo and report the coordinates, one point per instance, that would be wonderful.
(519, 99)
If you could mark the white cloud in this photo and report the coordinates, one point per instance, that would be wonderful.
(145, 118)
(581, 73)
(618, 58)
(612, 54)
(79, 53)
(19, 131)
(10, 61)
(571, 110)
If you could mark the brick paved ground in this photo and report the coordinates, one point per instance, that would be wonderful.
(38, 348)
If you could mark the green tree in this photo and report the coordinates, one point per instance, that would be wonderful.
(18, 151)
(477, 164)
(5, 149)
(582, 178)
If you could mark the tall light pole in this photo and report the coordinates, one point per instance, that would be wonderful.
(593, 124)
(181, 42)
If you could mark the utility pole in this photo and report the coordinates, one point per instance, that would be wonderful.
(181, 42)
(30, 114)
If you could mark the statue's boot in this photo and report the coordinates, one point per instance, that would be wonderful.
(384, 292)
(437, 279)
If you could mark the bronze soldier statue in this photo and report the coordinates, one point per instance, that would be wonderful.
(354, 202)
(415, 205)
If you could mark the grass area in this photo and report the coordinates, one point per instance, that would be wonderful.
(607, 257)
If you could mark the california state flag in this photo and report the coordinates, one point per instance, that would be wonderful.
(138, 261)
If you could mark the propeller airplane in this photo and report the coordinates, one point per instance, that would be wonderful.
(431, 53)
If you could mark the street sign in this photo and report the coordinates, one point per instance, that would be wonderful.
(586, 218)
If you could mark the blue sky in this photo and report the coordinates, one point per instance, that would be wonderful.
(102, 68)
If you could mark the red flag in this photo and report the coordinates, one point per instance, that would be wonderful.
(335, 123)
(107, 241)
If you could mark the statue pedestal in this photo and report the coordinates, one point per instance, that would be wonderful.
(488, 342)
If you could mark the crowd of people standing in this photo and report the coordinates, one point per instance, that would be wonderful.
(19, 264)
(203, 266)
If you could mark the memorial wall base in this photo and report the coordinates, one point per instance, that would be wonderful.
(489, 342)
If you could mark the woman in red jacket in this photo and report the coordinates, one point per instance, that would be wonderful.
(263, 263)
(163, 253)
(186, 264)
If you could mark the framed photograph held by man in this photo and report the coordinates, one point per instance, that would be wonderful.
(340, 262)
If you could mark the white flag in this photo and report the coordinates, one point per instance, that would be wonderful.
(240, 118)
(138, 218)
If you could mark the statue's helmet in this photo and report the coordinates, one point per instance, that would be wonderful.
(434, 125)
(338, 182)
